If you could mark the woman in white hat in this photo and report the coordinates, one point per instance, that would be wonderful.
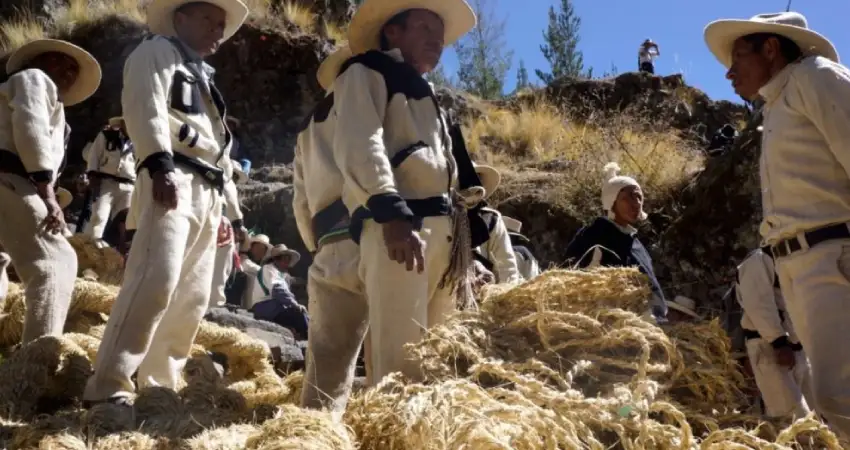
(805, 182)
(392, 146)
(496, 254)
(45, 76)
(174, 115)
(111, 175)
(611, 241)
(273, 298)
(251, 253)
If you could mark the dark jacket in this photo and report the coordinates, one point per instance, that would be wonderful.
(620, 250)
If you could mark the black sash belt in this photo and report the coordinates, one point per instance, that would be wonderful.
(753, 334)
(814, 237)
(426, 207)
(115, 178)
(212, 175)
(333, 219)
(11, 163)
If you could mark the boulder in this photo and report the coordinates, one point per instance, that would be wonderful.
(285, 349)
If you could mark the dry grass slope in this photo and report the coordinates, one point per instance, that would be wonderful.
(24, 28)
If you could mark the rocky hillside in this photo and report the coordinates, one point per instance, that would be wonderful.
(549, 143)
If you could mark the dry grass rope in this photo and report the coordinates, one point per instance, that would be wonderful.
(561, 362)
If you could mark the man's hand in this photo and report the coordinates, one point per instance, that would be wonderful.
(225, 233)
(165, 189)
(785, 357)
(482, 275)
(240, 234)
(404, 245)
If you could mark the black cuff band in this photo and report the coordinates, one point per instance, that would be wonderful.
(158, 162)
(237, 223)
(42, 176)
(780, 342)
(388, 207)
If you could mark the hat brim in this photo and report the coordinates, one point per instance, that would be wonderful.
(365, 28)
(720, 36)
(329, 69)
(294, 257)
(490, 178)
(161, 16)
(64, 197)
(522, 239)
(88, 79)
(683, 310)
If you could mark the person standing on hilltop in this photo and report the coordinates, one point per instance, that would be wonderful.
(647, 53)
(111, 175)
(805, 183)
(611, 241)
(45, 76)
(175, 117)
(392, 146)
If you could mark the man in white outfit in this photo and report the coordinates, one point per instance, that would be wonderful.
(45, 76)
(805, 183)
(497, 254)
(778, 361)
(175, 118)
(111, 174)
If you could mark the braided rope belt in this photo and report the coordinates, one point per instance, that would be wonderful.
(460, 274)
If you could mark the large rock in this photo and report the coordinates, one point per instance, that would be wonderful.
(284, 347)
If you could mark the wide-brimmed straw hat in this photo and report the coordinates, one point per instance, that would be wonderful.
(161, 15)
(282, 250)
(329, 69)
(116, 121)
(88, 78)
(684, 305)
(720, 35)
(513, 225)
(364, 32)
(489, 176)
(64, 197)
(257, 239)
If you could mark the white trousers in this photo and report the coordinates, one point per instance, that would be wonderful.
(165, 293)
(339, 318)
(113, 198)
(402, 304)
(46, 263)
(221, 272)
(816, 287)
(783, 391)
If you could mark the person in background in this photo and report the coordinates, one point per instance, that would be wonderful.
(782, 372)
(611, 241)
(111, 175)
(682, 310)
(527, 264)
(647, 53)
(45, 76)
(175, 117)
(805, 183)
(497, 254)
(273, 298)
(254, 249)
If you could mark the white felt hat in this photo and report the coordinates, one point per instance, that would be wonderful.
(161, 15)
(513, 225)
(684, 305)
(489, 176)
(88, 79)
(116, 121)
(281, 250)
(364, 31)
(720, 35)
(613, 184)
(329, 69)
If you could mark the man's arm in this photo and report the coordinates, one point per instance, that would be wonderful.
(824, 97)
(95, 151)
(755, 287)
(303, 219)
(29, 100)
(148, 75)
(360, 98)
(502, 253)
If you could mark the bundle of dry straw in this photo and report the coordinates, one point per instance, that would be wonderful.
(563, 361)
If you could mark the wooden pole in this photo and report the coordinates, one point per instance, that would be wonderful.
(788, 8)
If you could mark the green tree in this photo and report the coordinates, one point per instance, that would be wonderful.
(482, 55)
(522, 76)
(439, 78)
(560, 46)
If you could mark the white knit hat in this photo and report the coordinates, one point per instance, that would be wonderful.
(612, 186)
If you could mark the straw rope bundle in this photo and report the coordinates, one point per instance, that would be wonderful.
(562, 361)
(106, 263)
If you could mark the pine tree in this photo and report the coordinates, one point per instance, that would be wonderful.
(561, 44)
(482, 55)
(522, 76)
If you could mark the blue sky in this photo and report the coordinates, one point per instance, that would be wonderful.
(612, 30)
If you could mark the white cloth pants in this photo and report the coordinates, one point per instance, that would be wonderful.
(221, 272)
(46, 263)
(339, 318)
(165, 293)
(402, 304)
(783, 391)
(816, 286)
(113, 198)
